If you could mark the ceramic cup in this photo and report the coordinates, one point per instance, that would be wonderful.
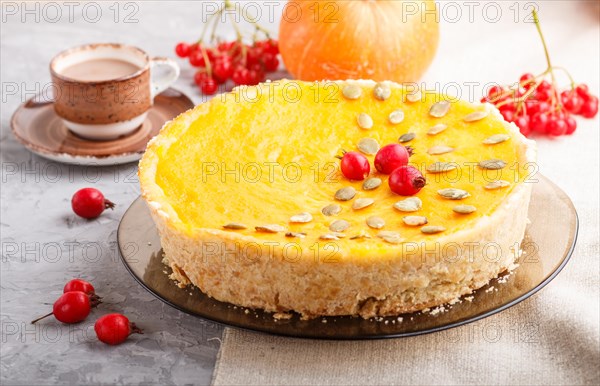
(103, 91)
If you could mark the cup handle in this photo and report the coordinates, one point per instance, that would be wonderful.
(159, 82)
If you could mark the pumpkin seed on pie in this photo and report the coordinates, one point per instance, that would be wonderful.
(298, 235)
(364, 121)
(453, 194)
(375, 222)
(270, 228)
(390, 237)
(371, 183)
(464, 209)
(440, 149)
(331, 210)
(339, 226)
(362, 235)
(352, 91)
(406, 137)
(498, 184)
(235, 226)
(441, 167)
(496, 139)
(361, 203)
(476, 116)
(492, 164)
(432, 229)
(368, 146)
(396, 117)
(414, 96)
(435, 130)
(345, 194)
(414, 220)
(382, 91)
(439, 109)
(303, 217)
(411, 204)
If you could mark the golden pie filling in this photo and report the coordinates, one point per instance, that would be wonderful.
(252, 208)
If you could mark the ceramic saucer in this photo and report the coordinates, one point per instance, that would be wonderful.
(39, 129)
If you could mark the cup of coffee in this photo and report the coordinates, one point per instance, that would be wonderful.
(103, 91)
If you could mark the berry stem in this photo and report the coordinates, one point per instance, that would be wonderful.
(555, 97)
(536, 20)
(206, 61)
(251, 20)
(135, 329)
(573, 83)
(42, 317)
(108, 204)
(215, 22)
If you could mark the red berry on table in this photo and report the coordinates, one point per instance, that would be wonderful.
(355, 166)
(79, 285)
(527, 81)
(255, 77)
(271, 46)
(391, 157)
(556, 125)
(589, 108)
(241, 76)
(72, 307)
(114, 329)
(522, 123)
(534, 106)
(200, 77)
(508, 115)
(90, 203)
(183, 50)
(494, 92)
(253, 56)
(545, 86)
(571, 124)
(508, 107)
(225, 46)
(219, 80)
(582, 90)
(255, 67)
(209, 86)
(212, 54)
(539, 123)
(571, 101)
(544, 95)
(406, 180)
(271, 62)
(223, 68)
(197, 59)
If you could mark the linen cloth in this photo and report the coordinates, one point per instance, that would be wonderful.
(551, 338)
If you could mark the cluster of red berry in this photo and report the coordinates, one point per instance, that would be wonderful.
(243, 64)
(537, 106)
(391, 159)
(76, 303)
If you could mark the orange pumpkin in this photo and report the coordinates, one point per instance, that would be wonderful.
(359, 39)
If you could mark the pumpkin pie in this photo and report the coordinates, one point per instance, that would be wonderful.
(252, 208)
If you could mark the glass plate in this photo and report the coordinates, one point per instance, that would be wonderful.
(548, 244)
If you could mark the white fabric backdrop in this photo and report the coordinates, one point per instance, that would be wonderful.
(551, 338)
